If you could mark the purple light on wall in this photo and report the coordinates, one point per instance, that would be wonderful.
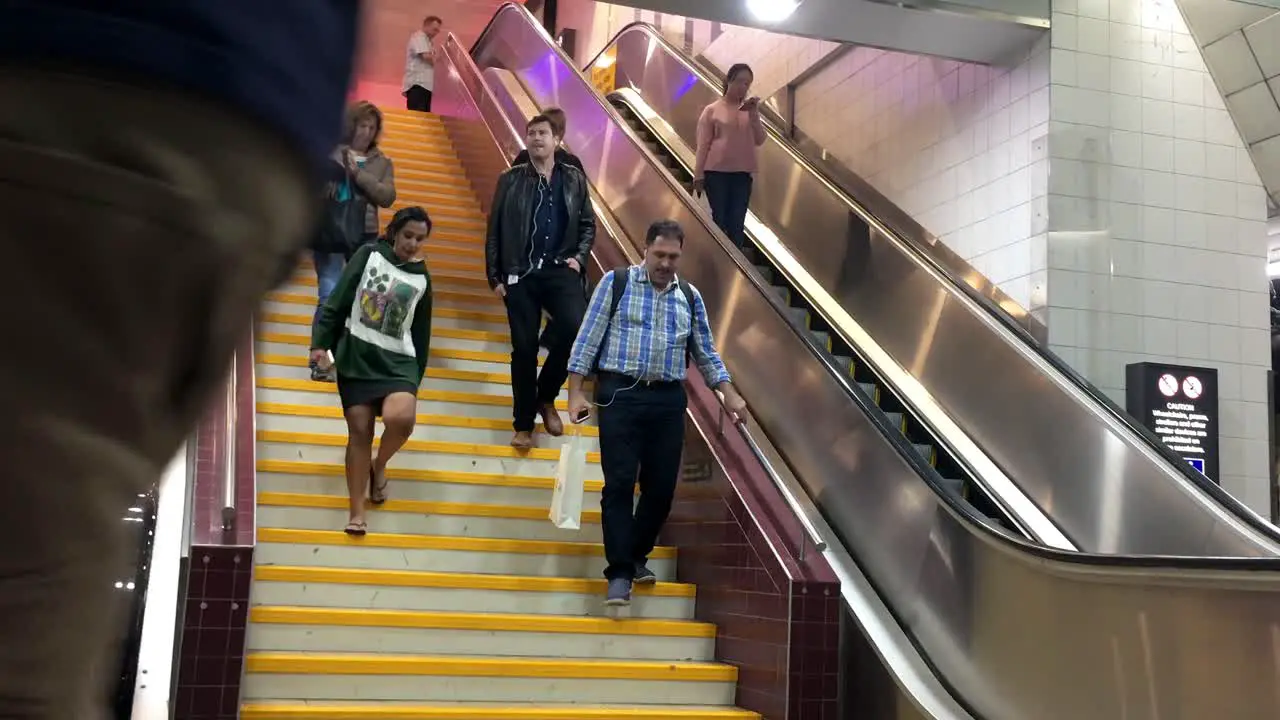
(689, 81)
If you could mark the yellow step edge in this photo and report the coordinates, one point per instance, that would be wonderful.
(473, 711)
(436, 311)
(457, 581)
(463, 666)
(423, 394)
(417, 183)
(481, 355)
(424, 192)
(437, 294)
(301, 467)
(438, 447)
(444, 332)
(448, 353)
(477, 281)
(475, 423)
(307, 266)
(423, 507)
(432, 373)
(444, 542)
(491, 622)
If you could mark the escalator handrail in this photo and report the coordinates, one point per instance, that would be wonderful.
(1041, 529)
(814, 537)
(895, 438)
(751, 276)
(1101, 399)
(452, 41)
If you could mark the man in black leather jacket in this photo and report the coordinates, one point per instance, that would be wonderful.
(540, 234)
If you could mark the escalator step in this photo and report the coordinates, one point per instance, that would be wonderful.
(954, 486)
(822, 338)
(871, 390)
(897, 420)
(845, 363)
(783, 292)
(927, 452)
(766, 272)
(799, 316)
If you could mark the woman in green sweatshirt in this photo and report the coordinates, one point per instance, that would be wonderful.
(377, 322)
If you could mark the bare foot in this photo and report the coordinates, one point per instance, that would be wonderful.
(522, 440)
(551, 420)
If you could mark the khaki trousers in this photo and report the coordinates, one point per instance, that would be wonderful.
(139, 228)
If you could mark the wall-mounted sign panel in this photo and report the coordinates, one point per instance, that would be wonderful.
(1180, 405)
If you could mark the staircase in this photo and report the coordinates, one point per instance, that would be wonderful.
(463, 601)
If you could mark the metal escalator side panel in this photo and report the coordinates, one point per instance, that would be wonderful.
(808, 409)
(1069, 448)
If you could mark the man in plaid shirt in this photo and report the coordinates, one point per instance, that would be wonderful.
(638, 340)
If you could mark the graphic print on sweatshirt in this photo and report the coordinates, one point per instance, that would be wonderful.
(385, 303)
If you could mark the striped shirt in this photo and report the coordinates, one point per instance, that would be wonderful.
(649, 333)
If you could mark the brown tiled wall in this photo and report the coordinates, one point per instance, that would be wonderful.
(220, 565)
(777, 620)
(212, 653)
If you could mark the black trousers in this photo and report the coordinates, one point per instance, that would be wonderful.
(729, 195)
(418, 98)
(558, 290)
(641, 439)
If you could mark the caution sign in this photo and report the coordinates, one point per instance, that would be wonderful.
(1178, 403)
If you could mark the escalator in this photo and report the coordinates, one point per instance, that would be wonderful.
(1138, 624)
(843, 355)
(1017, 409)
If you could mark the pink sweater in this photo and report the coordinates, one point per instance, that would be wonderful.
(727, 139)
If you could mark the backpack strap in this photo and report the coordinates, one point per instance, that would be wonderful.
(620, 277)
(693, 319)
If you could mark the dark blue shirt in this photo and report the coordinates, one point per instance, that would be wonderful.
(550, 216)
(287, 63)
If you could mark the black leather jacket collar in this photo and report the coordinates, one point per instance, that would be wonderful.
(507, 241)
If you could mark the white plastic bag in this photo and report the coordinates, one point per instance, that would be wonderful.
(566, 499)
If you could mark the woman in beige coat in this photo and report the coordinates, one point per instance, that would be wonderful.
(364, 175)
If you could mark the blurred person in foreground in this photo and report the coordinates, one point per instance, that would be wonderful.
(160, 164)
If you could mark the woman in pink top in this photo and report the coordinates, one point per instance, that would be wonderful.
(729, 131)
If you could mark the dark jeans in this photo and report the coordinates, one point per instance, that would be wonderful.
(328, 271)
(418, 98)
(729, 194)
(558, 290)
(641, 438)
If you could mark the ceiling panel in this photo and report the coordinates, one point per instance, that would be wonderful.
(1240, 42)
(1264, 40)
(1215, 19)
(1232, 63)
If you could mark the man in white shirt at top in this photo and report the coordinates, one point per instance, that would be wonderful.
(419, 65)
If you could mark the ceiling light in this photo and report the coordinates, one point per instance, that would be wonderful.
(772, 10)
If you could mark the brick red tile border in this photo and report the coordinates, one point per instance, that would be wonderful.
(220, 567)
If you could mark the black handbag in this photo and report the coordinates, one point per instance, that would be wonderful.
(341, 228)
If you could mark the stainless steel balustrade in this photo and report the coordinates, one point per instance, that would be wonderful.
(1016, 631)
(1081, 459)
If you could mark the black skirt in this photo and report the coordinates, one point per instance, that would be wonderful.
(355, 392)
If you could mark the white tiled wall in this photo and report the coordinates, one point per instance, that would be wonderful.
(775, 59)
(1157, 235)
(598, 22)
(959, 146)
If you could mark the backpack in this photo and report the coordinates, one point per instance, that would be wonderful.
(620, 288)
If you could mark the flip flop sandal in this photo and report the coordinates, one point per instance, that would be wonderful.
(356, 529)
(377, 493)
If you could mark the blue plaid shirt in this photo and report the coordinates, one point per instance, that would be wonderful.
(648, 334)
